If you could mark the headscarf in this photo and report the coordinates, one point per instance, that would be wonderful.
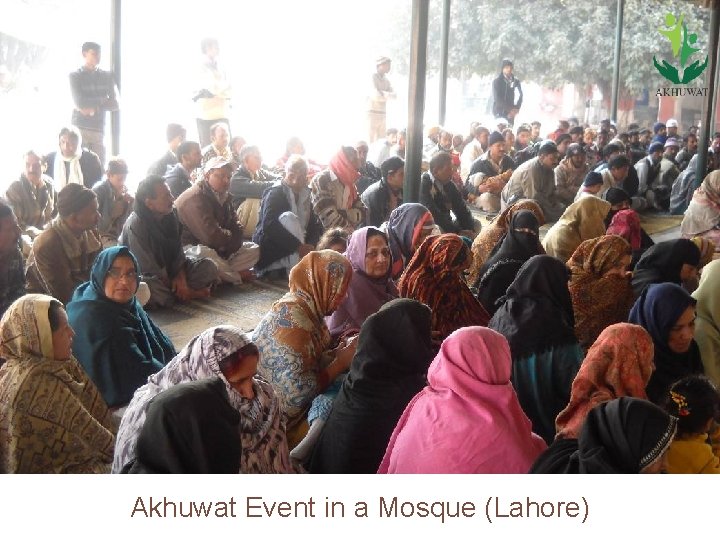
(707, 249)
(489, 236)
(347, 174)
(707, 324)
(365, 294)
(582, 220)
(262, 432)
(657, 310)
(520, 242)
(117, 344)
(468, 419)
(163, 234)
(52, 419)
(293, 336)
(622, 436)
(536, 313)
(663, 262)
(703, 213)
(190, 429)
(403, 228)
(599, 300)
(619, 363)
(433, 278)
(626, 223)
(390, 366)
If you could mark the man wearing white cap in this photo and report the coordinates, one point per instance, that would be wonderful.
(210, 226)
(669, 170)
(672, 128)
(381, 92)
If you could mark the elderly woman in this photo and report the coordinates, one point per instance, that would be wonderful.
(519, 244)
(434, 277)
(599, 287)
(468, 419)
(702, 217)
(619, 363)
(370, 286)
(389, 368)
(409, 224)
(667, 312)
(537, 319)
(52, 419)
(116, 342)
(489, 236)
(294, 342)
(582, 220)
(672, 261)
(611, 443)
(707, 324)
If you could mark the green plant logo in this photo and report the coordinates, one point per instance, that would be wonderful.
(682, 47)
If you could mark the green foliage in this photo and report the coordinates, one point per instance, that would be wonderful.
(553, 42)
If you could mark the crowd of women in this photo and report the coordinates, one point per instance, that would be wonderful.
(401, 351)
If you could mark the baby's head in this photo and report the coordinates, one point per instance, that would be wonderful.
(695, 402)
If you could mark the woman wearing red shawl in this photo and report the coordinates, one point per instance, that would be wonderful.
(434, 277)
(626, 223)
(599, 287)
(619, 363)
(370, 286)
(489, 236)
(334, 196)
(702, 217)
(468, 419)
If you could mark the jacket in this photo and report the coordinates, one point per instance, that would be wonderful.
(439, 200)
(377, 199)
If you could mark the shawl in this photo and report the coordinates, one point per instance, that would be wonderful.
(622, 436)
(293, 337)
(599, 300)
(582, 220)
(626, 223)
(519, 244)
(663, 262)
(434, 278)
(403, 228)
(657, 310)
(365, 294)
(60, 177)
(117, 344)
(80, 251)
(163, 235)
(190, 429)
(348, 174)
(619, 363)
(52, 418)
(489, 236)
(707, 249)
(262, 431)
(536, 313)
(390, 366)
(707, 324)
(468, 419)
(703, 213)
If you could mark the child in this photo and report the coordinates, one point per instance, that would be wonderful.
(694, 401)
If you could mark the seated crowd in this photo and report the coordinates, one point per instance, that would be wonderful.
(411, 339)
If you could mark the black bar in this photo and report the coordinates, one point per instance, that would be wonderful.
(444, 48)
(616, 61)
(710, 96)
(416, 100)
(116, 69)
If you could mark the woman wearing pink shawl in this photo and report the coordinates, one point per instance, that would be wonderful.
(371, 285)
(468, 419)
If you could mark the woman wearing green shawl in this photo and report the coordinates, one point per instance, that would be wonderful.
(115, 340)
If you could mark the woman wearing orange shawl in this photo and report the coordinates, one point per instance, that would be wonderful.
(334, 195)
(599, 287)
(489, 236)
(434, 277)
(618, 364)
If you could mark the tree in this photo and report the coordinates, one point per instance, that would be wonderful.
(554, 42)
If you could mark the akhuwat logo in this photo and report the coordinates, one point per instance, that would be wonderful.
(682, 45)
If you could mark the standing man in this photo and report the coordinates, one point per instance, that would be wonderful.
(505, 86)
(213, 96)
(94, 92)
(381, 92)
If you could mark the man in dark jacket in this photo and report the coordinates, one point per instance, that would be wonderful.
(288, 228)
(504, 87)
(175, 135)
(178, 177)
(73, 164)
(439, 195)
(384, 196)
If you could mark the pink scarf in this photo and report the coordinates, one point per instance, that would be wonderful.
(468, 419)
(347, 174)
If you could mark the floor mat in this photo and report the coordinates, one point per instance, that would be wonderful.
(654, 224)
